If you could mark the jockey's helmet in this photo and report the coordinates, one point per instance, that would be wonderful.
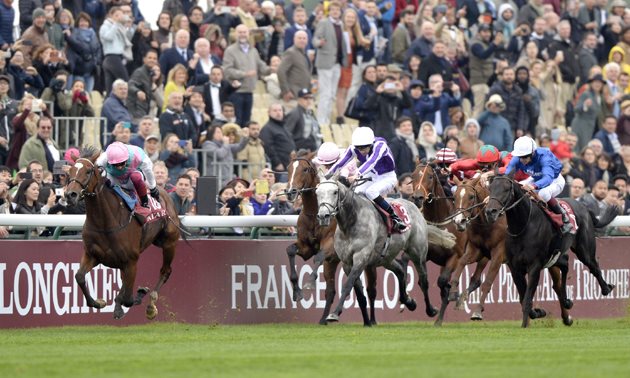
(117, 153)
(362, 136)
(446, 156)
(328, 153)
(488, 154)
(524, 146)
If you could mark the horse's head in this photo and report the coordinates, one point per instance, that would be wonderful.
(468, 198)
(328, 195)
(425, 181)
(302, 175)
(83, 176)
(502, 194)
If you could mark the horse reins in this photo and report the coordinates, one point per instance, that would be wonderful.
(84, 192)
(461, 210)
(505, 208)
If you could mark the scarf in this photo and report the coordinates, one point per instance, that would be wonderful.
(85, 35)
(410, 143)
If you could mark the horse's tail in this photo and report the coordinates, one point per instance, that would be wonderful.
(604, 219)
(440, 238)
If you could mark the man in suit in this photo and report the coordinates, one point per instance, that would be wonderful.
(180, 53)
(242, 62)
(217, 91)
(195, 109)
(299, 23)
(294, 72)
(331, 55)
(175, 121)
(141, 87)
(202, 62)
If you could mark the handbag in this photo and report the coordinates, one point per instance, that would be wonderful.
(352, 111)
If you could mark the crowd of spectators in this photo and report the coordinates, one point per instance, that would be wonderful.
(423, 74)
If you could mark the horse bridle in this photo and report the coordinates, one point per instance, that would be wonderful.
(84, 192)
(311, 169)
(461, 210)
(504, 207)
(429, 196)
(334, 210)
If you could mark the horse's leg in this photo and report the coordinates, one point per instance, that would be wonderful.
(495, 264)
(584, 249)
(87, 263)
(472, 254)
(318, 260)
(358, 291)
(475, 279)
(445, 286)
(371, 279)
(399, 271)
(520, 282)
(532, 283)
(558, 274)
(292, 250)
(330, 270)
(359, 263)
(125, 296)
(168, 253)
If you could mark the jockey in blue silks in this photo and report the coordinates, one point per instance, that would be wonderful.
(543, 168)
(376, 162)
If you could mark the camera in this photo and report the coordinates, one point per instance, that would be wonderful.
(389, 85)
(183, 143)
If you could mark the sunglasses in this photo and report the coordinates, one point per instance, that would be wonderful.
(525, 157)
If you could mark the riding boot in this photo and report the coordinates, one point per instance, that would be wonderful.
(556, 208)
(144, 201)
(383, 204)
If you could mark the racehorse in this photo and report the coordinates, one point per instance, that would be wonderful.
(532, 244)
(361, 239)
(316, 240)
(484, 239)
(112, 237)
(438, 208)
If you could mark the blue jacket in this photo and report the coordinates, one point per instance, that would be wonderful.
(115, 111)
(495, 130)
(290, 33)
(544, 167)
(602, 135)
(429, 105)
(7, 16)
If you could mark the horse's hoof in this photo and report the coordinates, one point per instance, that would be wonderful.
(323, 322)
(100, 303)
(568, 304)
(368, 324)
(297, 295)
(309, 285)
(568, 321)
(461, 302)
(152, 312)
(411, 305)
(537, 313)
(607, 289)
(142, 291)
(119, 314)
(453, 296)
(438, 323)
(332, 318)
(373, 322)
(432, 311)
(476, 315)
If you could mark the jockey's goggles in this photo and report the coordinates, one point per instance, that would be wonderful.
(122, 164)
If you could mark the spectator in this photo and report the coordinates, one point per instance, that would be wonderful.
(402, 37)
(176, 82)
(36, 168)
(405, 186)
(360, 112)
(612, 93)
(195, 109)
(23, 77)
(35, 36)
(57, 94)
(608, 136)
(261, 203)
(242, 63)
(277, 140)
(145, 128)
(142, 42)
(577, 189)
(272, 84)
(470, 144)
(531, 100)
(623, 124)
(423, 44)
(142, 86)
(220, 153)
(595, 200)
(389, 100)
(429, 141)
(161, 176)
(47, 60)
(7, 16)
(512, 96)
(56, 23)
(152, 147)
(8, 110)
(495, 129)
(217, 91)
(217, 40)
(114, 108)
(116, 41)
(604, 168)
(181, 195)
(586, 56)
(178, 54)
(562, 49)
(81, 106)
(434, 108)
(253, 155)
(26, 199)
(436, 64)
(226, 20)
(587, 166)
(294, 72)
(331, 56)
(302, 124)
(587, 110)
(40, 146)
(175, 121)
(482, 54)
(403, 147)
(299, 18)
(202, 62)
(163, 34)
(24, 126)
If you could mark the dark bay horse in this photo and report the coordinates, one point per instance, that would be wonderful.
(485, 239)
(112, 237)
(437, 208)
(532, 244)
(313, 239)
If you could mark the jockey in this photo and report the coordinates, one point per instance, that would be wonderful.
(328, 154)
(544, 169)
(488, 158)
(125, 165)
(377, 163)
(444, 158)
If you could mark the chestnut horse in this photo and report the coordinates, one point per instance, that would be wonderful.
(112, 237)
(438, 209)
(484, 239)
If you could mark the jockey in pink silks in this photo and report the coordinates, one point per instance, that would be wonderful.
(125, 166)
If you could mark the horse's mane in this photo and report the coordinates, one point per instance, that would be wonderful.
(89, 151)
(348, 207)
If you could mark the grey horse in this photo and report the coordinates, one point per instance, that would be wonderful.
(361, 239)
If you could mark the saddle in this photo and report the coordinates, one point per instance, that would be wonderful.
(402, 214)
(556, 219)
(142, 214)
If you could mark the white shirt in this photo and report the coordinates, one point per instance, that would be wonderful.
(216, 101)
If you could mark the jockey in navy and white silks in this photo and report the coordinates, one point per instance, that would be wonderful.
(376, 162)
(543, 168)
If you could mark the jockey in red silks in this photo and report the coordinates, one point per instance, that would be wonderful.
(488, 158)
(125, 165)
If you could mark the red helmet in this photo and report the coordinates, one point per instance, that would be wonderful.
(488, 154)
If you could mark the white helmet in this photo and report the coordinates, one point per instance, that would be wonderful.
(362, 136)
(524, 146)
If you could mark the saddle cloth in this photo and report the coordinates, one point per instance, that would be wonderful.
(556, 219)
(402, 214)
(142, 214)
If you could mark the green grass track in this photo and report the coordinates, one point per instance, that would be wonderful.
(590, 348)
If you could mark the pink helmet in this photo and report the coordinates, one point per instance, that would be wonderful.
(71, 155)
(328, 153)
(117, 153)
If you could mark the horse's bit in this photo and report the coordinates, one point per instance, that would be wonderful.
(84, 192)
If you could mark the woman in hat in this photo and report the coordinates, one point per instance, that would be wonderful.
(587, 111)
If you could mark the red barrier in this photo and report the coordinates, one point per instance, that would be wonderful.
(247, 281)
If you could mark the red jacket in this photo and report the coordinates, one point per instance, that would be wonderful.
(467, 168)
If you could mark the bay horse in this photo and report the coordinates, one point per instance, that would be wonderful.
(361, 238)
(112, 237)
(315, 240)
(438, 209)
(532, 243)
(485, 239)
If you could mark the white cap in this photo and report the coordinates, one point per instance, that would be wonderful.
(362, 136)
(524, 146)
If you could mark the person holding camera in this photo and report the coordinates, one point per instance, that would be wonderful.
(83, 51)
(24, 126)
(220, 153)
(57, 94)
(389, 100)
(178, 155)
